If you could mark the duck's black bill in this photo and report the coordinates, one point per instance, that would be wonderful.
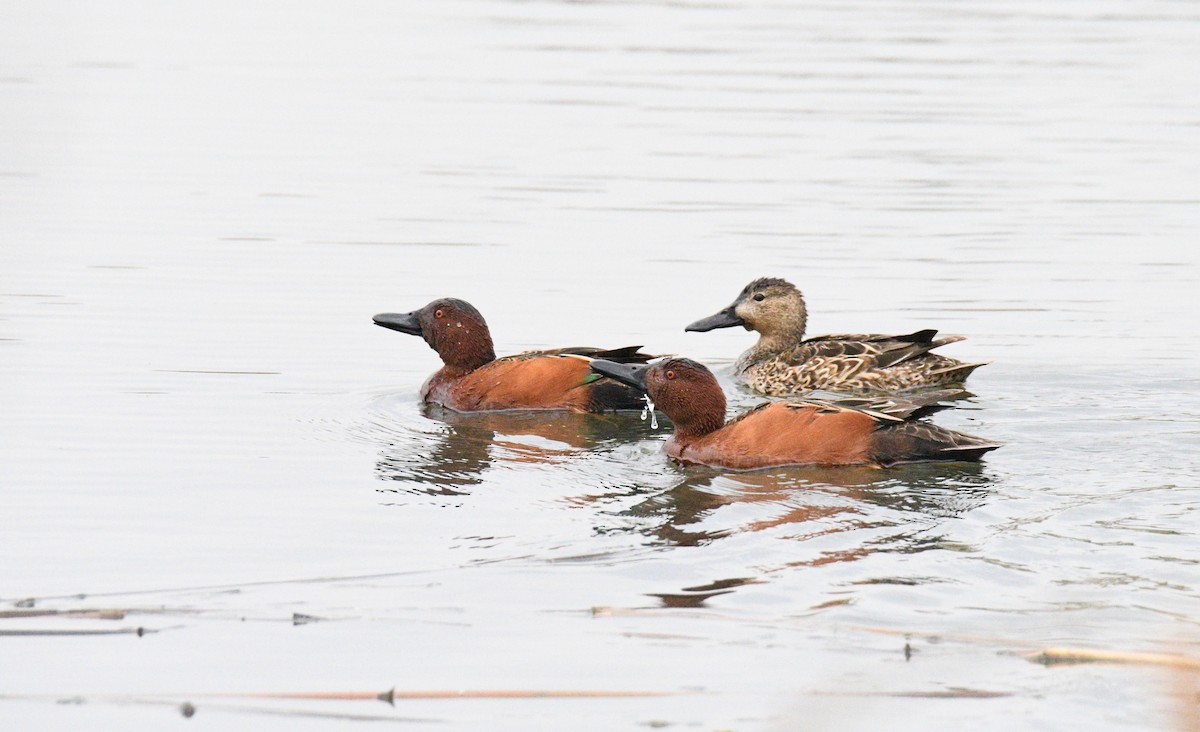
(403, 322)
(724, 319)
(633, 374)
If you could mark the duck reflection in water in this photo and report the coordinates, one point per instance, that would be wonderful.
(808, 501)
(456, 456)
(897, 511)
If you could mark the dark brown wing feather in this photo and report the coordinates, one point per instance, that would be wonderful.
(912, 406)
(908, 442)
(628, 354)
(881, 350)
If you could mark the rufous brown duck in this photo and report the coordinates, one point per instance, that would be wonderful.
(473, 379)
(879, 432)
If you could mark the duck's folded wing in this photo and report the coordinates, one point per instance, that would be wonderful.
(919, 441)
(872, 350)
(873, 408)
(897, 408)
(627, 354)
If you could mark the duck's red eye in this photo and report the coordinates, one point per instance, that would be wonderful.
(438, 313)
(670, 374)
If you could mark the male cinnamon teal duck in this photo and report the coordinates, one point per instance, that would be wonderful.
(473, 379)
(784, 362)
(878, 432)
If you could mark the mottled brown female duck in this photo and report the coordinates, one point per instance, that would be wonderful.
(784, 362)
(473, 379)
(877, 432)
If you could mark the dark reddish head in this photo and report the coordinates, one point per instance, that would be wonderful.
(451, 327)
(683, 389)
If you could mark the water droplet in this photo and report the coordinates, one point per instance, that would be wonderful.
(649, 409)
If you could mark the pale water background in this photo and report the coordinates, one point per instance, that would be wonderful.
(203, 203)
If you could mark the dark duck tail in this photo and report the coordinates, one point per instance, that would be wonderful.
(907, 442)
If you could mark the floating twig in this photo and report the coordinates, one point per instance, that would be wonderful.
(100, 614)
(139, 631)
(391, 695)
(952, 693)
(1064, 656)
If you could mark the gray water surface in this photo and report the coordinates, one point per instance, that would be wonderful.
(202, 204)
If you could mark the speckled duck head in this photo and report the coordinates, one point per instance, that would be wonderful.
(769, 305)
(450, 326)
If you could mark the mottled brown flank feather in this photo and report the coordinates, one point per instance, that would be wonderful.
(853, 362)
